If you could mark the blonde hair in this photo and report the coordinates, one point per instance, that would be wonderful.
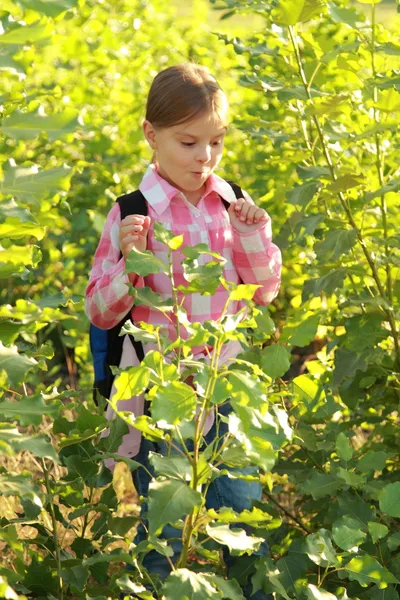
(184, 92)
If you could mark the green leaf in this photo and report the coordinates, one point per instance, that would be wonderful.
(275, 360)
(301, 334)
(9, 330)
(259, 434)
(146, 297)
(139, 333)
(377, 530)
(173, 402)
(228, 588)
(144, 263)
(347, 363)
(131, 382)
(175, 467)
(317, 593)
(346, 182)
(16, 365)
(389, 499)
(393, 541)
(357, 509)
(237, 540)
(326, 283)
(320, 549)
(76, 576)
(12, 442)
(343, 447)
(350, 16)
(121, 525)
(21, 486)
(320, 485)
(185, 584)
(28, 126)
(347, 534)
(244, 292)
(29, 410)
(30, 183)
(392, 186)
(165, 236)
(27, 34)
(367, 570)
(169, 500)
(336, 243)
(372, 461)
(50, 8)
(302, 194)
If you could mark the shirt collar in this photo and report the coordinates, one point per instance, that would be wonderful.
(159, 193)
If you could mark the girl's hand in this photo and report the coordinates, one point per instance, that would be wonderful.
(133, 232)
(245, 216)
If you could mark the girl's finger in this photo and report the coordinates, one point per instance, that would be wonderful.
(238, 204)
(244, 211)
(251, 214)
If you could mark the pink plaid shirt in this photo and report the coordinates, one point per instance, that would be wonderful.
(250, 257)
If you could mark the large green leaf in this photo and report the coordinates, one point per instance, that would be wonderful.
(50, 8)
(237, 540)
(366, 570)
(29, 183)
(173, 402)
(26, 34)
(12, 442)
(29, 410)
(320, 549)
(131, 382)
(144, 263)
(27, 126)
(320, 485)
(302, 194)
(301, 334)
(20, 485)
(317, 593)
(389, 499)
(169, 500)
(275, 360)
(336, 243)
(347, 534)
(343, 447)
(290, 12)
(144, 296)
(16, 365)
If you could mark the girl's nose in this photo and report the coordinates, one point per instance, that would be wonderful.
(204, 154)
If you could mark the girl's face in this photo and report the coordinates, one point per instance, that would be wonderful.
(187, 154)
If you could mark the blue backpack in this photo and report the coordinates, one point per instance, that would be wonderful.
(106, 345)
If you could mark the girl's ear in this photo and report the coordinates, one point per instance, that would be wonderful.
(150, 134)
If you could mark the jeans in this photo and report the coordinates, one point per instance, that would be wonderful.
(223, 491)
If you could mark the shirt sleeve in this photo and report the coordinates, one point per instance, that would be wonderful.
(107, 298)
(258, 260)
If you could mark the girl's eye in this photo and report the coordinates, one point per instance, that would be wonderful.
(187, 144)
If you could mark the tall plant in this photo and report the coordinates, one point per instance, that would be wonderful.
(325, 128)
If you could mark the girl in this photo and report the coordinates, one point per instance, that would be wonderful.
(185, 125)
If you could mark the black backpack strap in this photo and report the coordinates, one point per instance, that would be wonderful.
(238, 193)
(129, 204)
(132, 204)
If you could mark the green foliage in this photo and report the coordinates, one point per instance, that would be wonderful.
(315, 98)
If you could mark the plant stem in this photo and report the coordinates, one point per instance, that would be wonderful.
(287, 513)
(54, 524)
(388, 309)
(379, 164)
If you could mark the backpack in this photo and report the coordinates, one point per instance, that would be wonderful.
(106, 345)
